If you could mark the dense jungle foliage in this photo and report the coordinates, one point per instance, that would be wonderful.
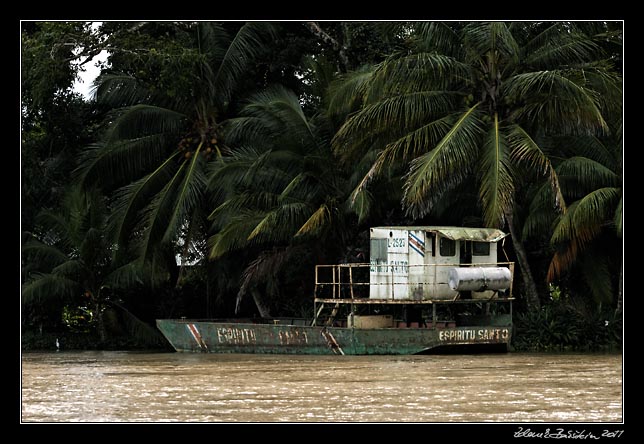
(215, 164)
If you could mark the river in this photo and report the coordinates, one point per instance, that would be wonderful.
(181, 387)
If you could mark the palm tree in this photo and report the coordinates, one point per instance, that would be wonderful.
(474, 100)
(159, 141)
(584, 237)
(71, 260)
(281, 192)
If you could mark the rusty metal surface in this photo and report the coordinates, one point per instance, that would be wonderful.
(367, 301)
(457, 233)
(215, 337)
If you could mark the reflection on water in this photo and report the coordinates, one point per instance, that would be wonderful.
(170, 387)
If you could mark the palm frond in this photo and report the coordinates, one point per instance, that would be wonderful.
(525, 149)
(264, 269)
(225, 174)
(138, 121)
(557, 46)
(56, 229)
(404, 113)
(154, 220)
(238, 202)
(362, 202)
(130, 200)
(271, 170)
(244, 131)
(213, 40)
(619, 218)
(590, 214)
(281, 113)
(414, 73)
(94, 249)
(244, 48)
(588, 146)
(581, 224)
(583, 175)
(439, 37)
(45, 256)
(281, 223)
(347, 93)
(320, 219)
(608, 84)
(300, 186)
(541, 219)
(120, 163)
(119, 90)
(491, 39)
(558, 101)
(137, 328)
(448, 163)
(47, 286)
(410, 146)
(235, 235)
(497, 184)
(126, 276)
(194, 183)
(73, 269)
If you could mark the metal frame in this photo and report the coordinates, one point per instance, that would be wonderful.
(337, 286)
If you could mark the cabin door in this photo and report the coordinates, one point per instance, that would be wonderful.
(444, 255)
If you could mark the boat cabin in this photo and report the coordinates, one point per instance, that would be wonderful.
(438, 263)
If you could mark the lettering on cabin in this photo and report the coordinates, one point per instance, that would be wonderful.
(483, 334)
(228, 335)
(396, 242)
(393, 266)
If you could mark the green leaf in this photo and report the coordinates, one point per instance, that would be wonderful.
(587, 174)
(131, 200)
(403, 113)
(362, 202)
(558, 45)
(318, 220)
(194, 182)
(618, 219)
(48, 286)
(525, 149)
(244, 48)
(448, 163)
(497, 185)
(580, 225)
(557, 100)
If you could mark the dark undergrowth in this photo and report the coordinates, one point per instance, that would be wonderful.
(568, 325)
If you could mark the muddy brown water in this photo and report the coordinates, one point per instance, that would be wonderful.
(183, 387)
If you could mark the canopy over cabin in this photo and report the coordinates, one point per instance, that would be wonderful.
(430, 262)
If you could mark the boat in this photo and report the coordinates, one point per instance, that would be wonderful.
(425, 289)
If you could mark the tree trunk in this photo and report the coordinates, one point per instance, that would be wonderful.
(620, 291)
(264, 312)
(102, 334)
(314, 27)
(532, 296)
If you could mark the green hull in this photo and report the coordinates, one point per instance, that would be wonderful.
(229, 337)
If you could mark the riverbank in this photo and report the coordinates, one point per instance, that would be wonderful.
(35, 341)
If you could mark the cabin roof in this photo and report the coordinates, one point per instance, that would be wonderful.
(458, 233)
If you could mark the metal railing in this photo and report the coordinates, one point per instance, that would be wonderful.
(353, 280)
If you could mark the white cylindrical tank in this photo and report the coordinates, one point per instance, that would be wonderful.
(479, 278)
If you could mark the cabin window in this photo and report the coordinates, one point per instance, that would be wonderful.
(432, 243)
(447, 247)
(378, 254)
(480, 248)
